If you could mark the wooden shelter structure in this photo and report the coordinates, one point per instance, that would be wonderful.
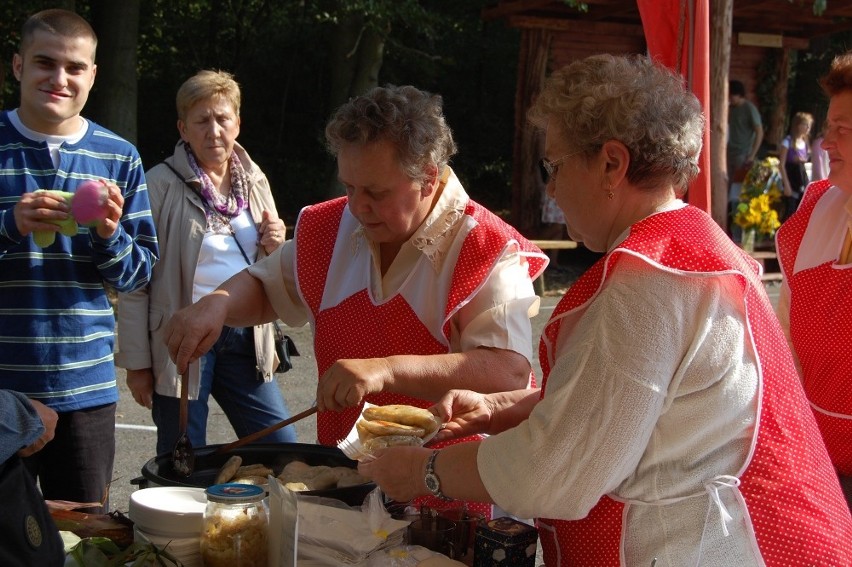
(741, 33)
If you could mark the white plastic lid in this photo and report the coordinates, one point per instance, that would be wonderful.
(176, 511)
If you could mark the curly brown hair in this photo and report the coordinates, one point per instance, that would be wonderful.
(411, 119)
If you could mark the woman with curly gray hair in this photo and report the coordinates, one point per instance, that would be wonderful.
(410, 119)
(412, 288)
(671, 428)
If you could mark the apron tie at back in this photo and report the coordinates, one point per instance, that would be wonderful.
(712, 487)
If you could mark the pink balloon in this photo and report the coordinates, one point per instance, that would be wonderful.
(89, 203)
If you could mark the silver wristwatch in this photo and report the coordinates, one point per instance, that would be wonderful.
(433, 483)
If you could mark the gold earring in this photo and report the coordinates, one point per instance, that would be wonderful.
(609, 194)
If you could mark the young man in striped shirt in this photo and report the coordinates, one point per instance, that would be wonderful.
(56, 321)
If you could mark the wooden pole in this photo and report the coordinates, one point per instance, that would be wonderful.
(721, 21)
(526, 194)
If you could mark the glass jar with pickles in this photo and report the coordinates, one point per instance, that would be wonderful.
(236, 526)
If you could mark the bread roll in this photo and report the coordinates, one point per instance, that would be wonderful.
(293, 469)
(404, 415)
(229, 469)
(351, 479)
(324, 480)
(251, 479)
(258, 469)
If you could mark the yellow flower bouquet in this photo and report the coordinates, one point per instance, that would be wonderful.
(759, 215)
(761, 190)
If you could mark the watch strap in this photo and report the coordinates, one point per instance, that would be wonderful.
(433, 483)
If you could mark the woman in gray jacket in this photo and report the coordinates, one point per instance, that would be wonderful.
(214, 214)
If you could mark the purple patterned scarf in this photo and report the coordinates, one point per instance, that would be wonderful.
(220, 208)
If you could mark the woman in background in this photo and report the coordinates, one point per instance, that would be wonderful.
(215, 215)
(819, 158)
(794, 154)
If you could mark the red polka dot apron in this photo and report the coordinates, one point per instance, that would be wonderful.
(359, 328)
(820, 311)
(793, 500)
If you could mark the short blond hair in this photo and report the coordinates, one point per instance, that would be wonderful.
(801, 118)
(206, 85)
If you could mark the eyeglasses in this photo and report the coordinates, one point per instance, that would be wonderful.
(549, 168)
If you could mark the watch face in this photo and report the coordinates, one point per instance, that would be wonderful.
(432, 483)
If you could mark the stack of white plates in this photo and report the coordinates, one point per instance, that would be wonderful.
(170, 516)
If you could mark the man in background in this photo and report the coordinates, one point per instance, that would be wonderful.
(745, 134)
(58, 325)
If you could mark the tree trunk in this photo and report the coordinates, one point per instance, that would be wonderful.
(721, 19)
(776, 129)
(341, 62)
(370, 56)
(113, 99)
(357, 53)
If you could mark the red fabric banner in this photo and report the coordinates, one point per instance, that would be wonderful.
(678, 35)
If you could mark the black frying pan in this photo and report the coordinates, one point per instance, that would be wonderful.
(159, 470)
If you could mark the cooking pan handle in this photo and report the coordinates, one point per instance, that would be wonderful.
(139, 481)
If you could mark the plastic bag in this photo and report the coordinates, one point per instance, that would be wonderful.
(331, 532)
(400, 556)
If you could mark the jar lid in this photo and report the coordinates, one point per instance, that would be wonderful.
(235, 493)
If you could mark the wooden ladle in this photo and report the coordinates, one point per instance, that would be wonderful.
(183, 455)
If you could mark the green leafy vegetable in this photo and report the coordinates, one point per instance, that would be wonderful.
(102, 552)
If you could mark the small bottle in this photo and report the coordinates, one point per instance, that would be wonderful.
(235, 528)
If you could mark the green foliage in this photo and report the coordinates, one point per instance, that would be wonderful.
(805, 93)
(443, 47)
(580, 6)
(473, 65)
(279, 53)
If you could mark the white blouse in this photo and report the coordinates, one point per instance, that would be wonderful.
(220, 257)
(653, 394)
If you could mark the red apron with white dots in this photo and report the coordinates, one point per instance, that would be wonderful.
(791, 492)
(820, 312)
(359, 328)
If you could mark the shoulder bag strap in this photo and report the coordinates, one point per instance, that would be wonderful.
(279, 334)
(204, 203)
